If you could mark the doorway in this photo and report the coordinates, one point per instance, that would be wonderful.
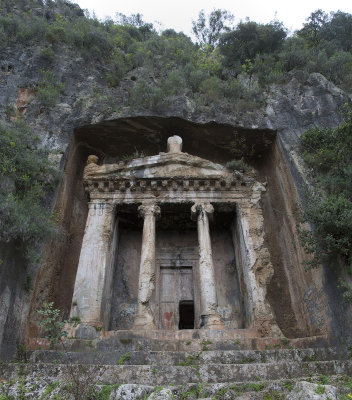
(176, 301)
(186, 314)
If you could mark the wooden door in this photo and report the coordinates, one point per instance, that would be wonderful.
(176, 285)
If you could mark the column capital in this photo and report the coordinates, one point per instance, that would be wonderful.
(149, 209)
(199, 208)
(101, 208)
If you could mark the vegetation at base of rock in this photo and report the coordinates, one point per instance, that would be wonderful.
(52, 325)
(27, 178)
(328, 206)
(49, 389)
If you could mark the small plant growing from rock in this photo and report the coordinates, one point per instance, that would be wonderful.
(205, 344)
(319, 389)
(53, 327)
(288, 385)
(76, 320)
(238, 165)
(323, 379)
(124, 357)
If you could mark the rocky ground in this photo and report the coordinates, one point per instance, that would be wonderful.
(273, 374)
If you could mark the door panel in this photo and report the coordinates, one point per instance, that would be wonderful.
(176, 284)
(168, 317)
(167, 298)
(186, 284)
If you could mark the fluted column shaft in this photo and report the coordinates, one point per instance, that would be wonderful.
(94, 267)
(208, 298)
(144, 318)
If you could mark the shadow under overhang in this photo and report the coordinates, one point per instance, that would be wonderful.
(113, 139)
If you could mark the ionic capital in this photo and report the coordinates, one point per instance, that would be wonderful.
(149, 209)
(201, 208)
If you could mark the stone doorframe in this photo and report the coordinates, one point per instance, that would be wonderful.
(166, 259)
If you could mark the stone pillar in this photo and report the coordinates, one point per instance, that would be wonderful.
(94, 267)
(208, 299)
(144, 318)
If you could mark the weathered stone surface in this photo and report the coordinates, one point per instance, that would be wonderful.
(94, 274)
(311, 391)
(131, 392)
(85, 331)
(163, 394)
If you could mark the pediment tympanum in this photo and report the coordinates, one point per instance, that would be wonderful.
(164, 165)
(173, 170)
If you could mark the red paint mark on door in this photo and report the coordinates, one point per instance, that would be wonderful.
(168, 315)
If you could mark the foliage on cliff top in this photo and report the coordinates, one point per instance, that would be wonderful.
(26, 178)
(220, 66)
(328, 152)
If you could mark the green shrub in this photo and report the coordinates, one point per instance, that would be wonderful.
(26, 179)
(48, 90)
(212, 90)
(328, 207)
(48, 53)
(124, 357)
(50, 322)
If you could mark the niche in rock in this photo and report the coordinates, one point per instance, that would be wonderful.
(186, 242)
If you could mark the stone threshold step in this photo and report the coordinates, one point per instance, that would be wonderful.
(140, 341)
(119, 357)
(176, 375)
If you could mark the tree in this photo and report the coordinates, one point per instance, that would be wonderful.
(250, 39)
(312, 29)
(338, 30)
(208, 29)
(135, 21)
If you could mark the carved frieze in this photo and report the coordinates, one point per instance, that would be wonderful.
(142, 185)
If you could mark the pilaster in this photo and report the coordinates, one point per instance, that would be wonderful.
(95, 265)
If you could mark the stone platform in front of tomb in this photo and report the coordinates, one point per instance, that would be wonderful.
(86, 337)
(169, 365)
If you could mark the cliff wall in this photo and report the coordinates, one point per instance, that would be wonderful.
(91, 117)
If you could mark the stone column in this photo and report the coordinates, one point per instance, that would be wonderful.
(94, 267)
(208, 299)
(144, 318)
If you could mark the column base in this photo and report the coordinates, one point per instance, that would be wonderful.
(144, 322)
(212, 321)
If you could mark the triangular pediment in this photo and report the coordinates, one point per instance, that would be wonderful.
(162, 166)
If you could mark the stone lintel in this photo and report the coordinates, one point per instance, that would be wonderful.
(142, 185)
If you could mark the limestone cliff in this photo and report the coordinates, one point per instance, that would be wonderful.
(90, 113)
